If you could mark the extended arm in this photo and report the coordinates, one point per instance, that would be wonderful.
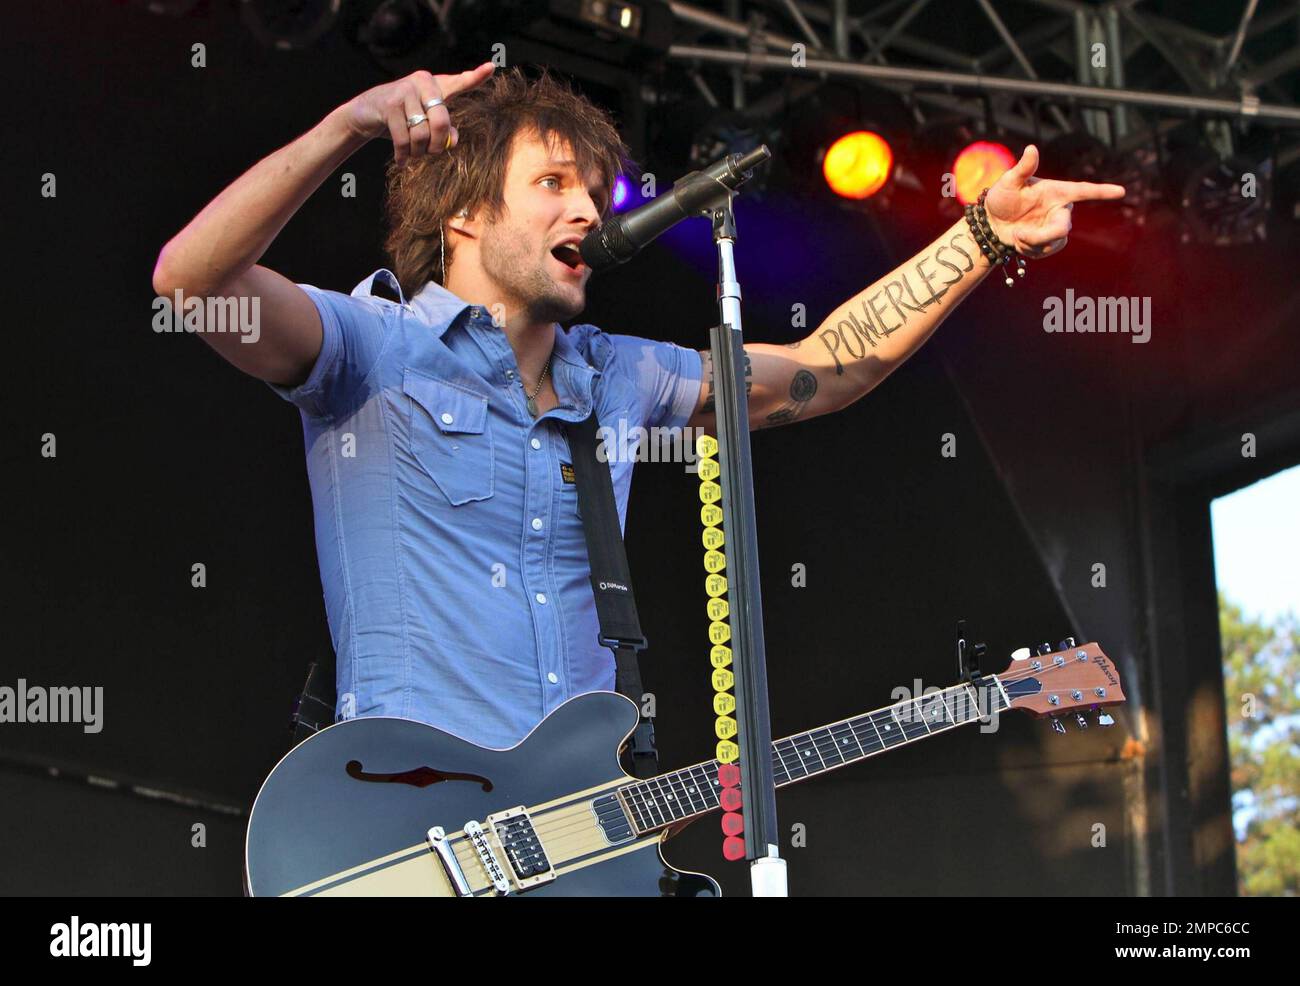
(863, 340)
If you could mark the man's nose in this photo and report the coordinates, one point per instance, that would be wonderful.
(586, 212)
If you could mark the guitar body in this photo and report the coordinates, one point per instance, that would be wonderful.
(347, 812)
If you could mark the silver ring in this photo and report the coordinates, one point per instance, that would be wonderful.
(435, 101)
(415, 121)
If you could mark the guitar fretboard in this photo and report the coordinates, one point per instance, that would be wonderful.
(695, 790)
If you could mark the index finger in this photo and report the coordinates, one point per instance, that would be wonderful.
(465, 80)
(1085, 191)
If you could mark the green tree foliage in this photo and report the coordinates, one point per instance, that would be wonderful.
(1261, 666)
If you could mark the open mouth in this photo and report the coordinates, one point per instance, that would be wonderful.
(567, 254)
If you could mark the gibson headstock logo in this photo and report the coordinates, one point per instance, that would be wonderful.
(1104, 666)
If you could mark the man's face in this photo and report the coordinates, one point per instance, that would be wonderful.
(547, 203)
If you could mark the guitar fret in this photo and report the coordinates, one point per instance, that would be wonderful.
(704, 781)
(827, 747)
(651, 804)
(917, 709)
(713, 785)
(683, 794)
(906, 715)
(667, 800)
(873, 743)
(846, 742)
(637, 805)
(871, 721)
(790, 755)
(778, 764)
(803, 750)
(695, 790)
(691, 787)
(947, 712)
(888, 729)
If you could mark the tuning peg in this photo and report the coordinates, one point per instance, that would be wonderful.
(1044, 648)
(1104, 719)
(1083, 723)
(1020, 654)
(1057, 725)
(1066, 644)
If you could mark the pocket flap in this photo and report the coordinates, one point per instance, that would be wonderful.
(452, 408)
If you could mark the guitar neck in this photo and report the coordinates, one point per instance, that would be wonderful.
(694, 791)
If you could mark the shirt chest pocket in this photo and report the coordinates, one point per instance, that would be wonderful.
(450, 437)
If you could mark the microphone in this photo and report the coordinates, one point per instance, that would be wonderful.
(619, 240)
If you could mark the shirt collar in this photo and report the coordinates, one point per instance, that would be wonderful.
(575, 383)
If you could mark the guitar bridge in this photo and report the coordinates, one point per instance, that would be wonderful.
(523, 849)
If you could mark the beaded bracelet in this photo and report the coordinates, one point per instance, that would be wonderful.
(994, 249)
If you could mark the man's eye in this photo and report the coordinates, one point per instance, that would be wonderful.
(556, 180)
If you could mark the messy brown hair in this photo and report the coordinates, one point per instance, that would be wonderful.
(430, 189)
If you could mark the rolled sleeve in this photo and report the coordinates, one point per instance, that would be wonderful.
(353, 333)
(666, 377)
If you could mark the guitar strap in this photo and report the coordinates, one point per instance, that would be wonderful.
(611, 583)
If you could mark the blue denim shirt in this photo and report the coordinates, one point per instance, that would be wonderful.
(450, 545)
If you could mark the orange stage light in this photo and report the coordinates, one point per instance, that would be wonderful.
(978, 166)
(857, 165)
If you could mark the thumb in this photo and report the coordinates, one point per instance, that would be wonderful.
(1024, 169)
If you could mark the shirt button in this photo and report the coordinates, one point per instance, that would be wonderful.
(551, 678)
(535, 443)
(447, 418)
(537, 523)
(541, 598)
(510, 374)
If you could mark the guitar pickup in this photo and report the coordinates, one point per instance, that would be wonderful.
(523, 850)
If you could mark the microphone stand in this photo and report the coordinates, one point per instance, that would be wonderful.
(758, 787)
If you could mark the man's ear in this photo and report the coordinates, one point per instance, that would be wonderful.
(459, 227)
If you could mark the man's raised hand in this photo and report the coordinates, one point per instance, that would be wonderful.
(384, 110)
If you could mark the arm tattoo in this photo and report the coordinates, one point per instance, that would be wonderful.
(802, 389)
(855, 336)
(709, 396)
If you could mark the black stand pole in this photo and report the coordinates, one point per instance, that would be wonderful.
(758, 788)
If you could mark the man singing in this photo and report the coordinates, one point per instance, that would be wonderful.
(451, 551)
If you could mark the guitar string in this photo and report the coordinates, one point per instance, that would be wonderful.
(637, 799)
(644, 802)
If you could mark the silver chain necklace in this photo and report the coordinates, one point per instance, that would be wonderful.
(531, 399)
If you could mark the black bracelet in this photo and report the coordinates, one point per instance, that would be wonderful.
(993, 249)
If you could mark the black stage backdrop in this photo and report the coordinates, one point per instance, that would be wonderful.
(167, 457)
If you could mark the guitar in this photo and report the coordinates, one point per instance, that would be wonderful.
(382, 806)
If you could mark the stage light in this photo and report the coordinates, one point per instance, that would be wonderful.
(978, 166)
(609, 15)
(1224, 202)
(857, 165)
(621, 192)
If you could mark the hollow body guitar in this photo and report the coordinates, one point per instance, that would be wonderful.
(381, 806)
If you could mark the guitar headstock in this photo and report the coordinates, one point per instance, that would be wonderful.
(1074, 678)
